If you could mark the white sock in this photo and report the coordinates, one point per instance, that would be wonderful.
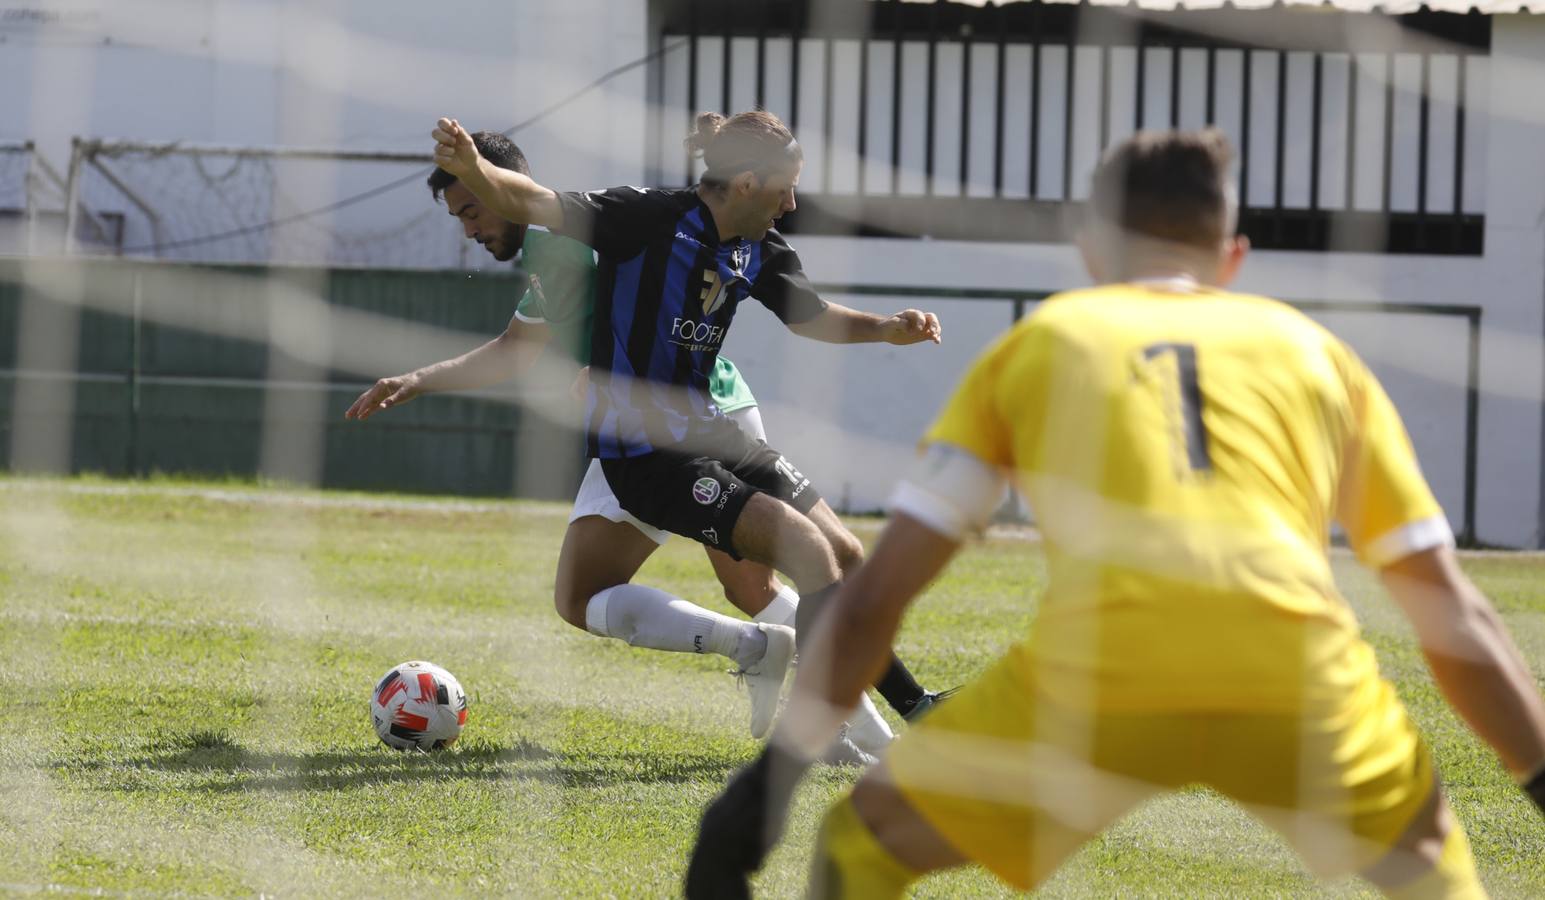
(649, 617)
(781, 610)
(867, 729)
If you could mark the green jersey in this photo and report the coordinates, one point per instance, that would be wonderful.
(559, 290)
(727, 388)
(560, 293)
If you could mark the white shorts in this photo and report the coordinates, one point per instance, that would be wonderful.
(595, 497)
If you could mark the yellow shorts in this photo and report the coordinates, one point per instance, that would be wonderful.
(1017, 783)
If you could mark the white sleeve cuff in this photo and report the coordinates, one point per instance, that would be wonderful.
(1412, 537)
(529, 320)
(954, 493)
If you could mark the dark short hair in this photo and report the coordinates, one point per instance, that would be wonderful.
(494, 147)
(1169, 185)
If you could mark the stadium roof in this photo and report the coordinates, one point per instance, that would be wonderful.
(1392, 7)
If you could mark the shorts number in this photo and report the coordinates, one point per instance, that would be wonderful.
(1195, 432)
(787, 470)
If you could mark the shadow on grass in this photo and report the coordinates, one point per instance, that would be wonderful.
(214, 762)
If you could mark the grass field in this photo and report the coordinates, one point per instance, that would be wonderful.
(186, 669)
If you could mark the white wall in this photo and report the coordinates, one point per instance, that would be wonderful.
(364, 74)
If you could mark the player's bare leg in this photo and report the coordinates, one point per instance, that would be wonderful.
(775, 533)
(749, 586)
(755, 590)
(846, 547)
(1430, 859)
(873, 844)
(597, 554)
(593, 592)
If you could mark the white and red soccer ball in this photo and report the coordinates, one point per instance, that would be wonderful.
(418, 706)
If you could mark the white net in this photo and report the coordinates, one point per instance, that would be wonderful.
(225, 511)
(15, 170)
(255, 206)
(15, 161)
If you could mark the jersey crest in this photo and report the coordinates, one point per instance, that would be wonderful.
(712, 294)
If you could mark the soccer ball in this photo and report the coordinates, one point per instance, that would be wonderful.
(418, 706)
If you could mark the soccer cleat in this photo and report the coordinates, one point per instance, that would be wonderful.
(764, 680)
(928, 701)
(843, 752)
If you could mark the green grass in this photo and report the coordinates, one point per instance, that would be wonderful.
(186, 670)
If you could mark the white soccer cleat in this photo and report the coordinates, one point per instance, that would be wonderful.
(843, 752)
(764, 679)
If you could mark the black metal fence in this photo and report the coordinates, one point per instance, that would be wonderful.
(1353, 131)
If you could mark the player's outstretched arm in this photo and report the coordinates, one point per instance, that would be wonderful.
(1474, 660)
(508, 194)
(850, 647)
(838, 324)
(507, 356)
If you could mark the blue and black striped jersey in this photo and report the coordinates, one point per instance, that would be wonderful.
(666, 290)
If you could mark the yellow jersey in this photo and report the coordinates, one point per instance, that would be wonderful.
(1185, 451)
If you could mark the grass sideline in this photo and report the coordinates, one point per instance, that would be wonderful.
(187, 667)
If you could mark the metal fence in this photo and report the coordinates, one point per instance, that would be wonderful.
(256, 206)
(31, 200)
(1353, 131)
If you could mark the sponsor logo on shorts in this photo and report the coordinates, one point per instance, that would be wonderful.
(705, 490)
(711, 536)
(729, 489)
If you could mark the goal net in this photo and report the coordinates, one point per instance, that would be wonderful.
(245, 205)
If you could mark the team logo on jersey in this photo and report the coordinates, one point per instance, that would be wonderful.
(739, 258)
(705, 490)
(712, 295)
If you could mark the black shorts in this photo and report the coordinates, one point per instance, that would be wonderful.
(699, 493)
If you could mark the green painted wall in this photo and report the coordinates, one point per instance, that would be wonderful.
(186, 383)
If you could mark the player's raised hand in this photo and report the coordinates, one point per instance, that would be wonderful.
(384, 394)
(912, 326)
(454, 150)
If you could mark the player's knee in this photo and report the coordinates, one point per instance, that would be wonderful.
(570, 605)
(1432, 859)
(848, 552)
(751, 594)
